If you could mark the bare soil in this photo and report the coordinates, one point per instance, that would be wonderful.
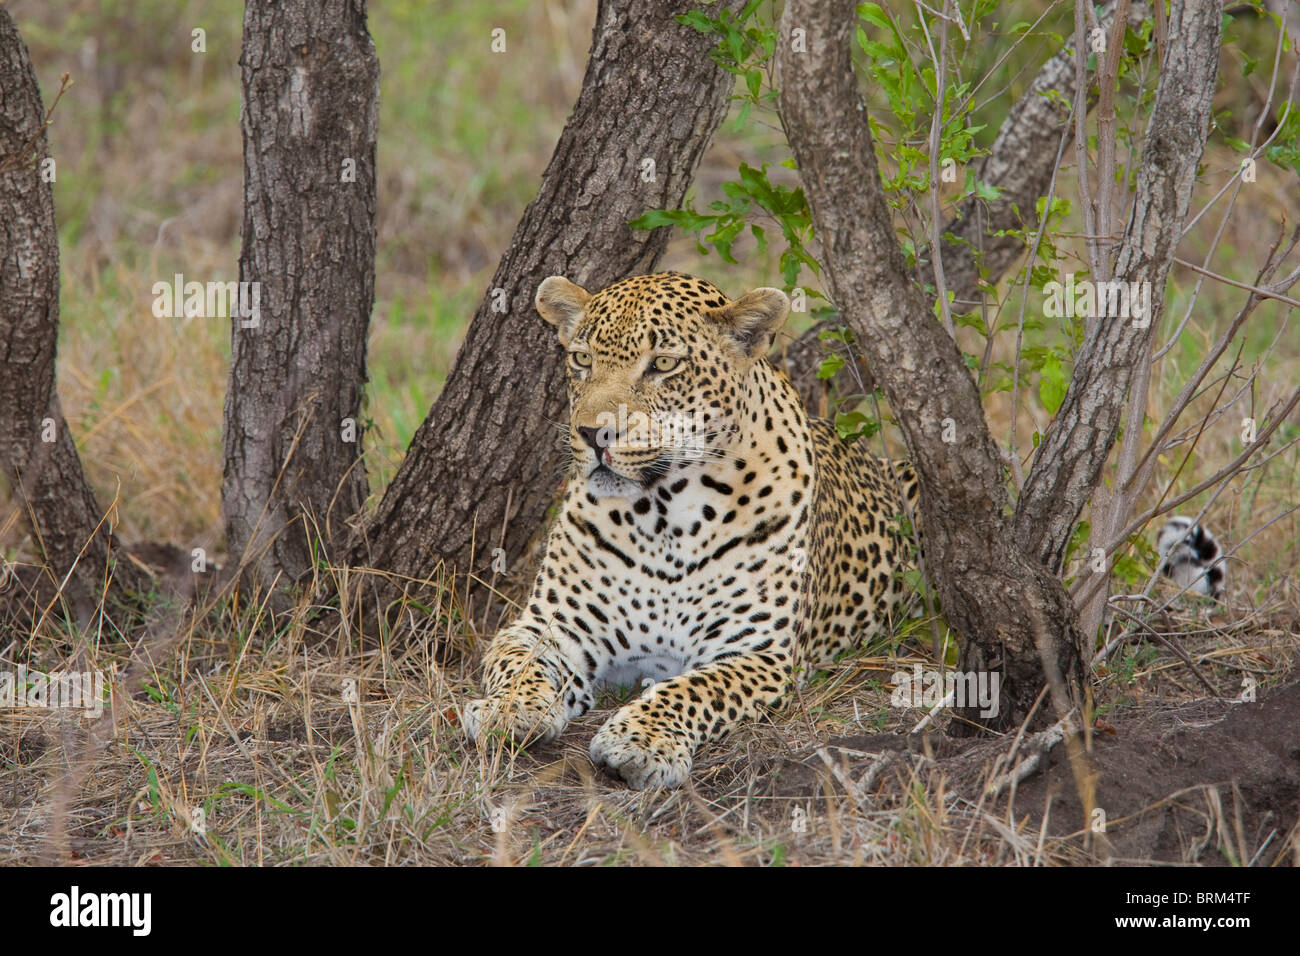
(1212, 782)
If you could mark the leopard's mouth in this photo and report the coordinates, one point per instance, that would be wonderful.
(656, 468)
(607, 478)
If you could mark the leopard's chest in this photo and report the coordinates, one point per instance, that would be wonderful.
(679, 573)
(661, 622)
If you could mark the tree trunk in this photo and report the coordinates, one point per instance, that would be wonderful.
(293, 472)
(1019, 165)
(39, 457)
(486, 463)
(1012, 614)
(1069, 460)
(996, 575)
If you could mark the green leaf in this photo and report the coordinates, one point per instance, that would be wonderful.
(743, 116)
(697, 19)
(687, 219)
(971, 320)
(736, 44)
(654, 219)
(1129, 570)
(873, 13)
(1052, 385)
(1060, 207)
(1079, 536)
(830, 365)
(853, 425)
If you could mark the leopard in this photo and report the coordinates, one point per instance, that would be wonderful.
(715, 544)
(1190, 555)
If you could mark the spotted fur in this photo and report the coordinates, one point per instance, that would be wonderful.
(1191, 557)
(716, 564)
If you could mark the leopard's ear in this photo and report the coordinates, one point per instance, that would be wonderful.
(562, 304)
(754, 319)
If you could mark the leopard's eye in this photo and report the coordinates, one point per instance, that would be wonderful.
(580, 359)
(666, 363)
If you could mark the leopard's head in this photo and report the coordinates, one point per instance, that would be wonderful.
(658, 367)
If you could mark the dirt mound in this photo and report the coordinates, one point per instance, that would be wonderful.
(1214, 782)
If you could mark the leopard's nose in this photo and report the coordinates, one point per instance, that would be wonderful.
(592, 437)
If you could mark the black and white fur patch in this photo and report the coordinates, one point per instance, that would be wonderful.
(1191, 557)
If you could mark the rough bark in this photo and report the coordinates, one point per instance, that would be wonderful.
(1069, 460)
(484, 466)
(1012, 614)
(293, 438)
(39, 457)
(1019, 165)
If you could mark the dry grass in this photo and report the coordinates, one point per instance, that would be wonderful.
(304, 748)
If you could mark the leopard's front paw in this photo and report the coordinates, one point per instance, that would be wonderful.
(525, 722)
(646, 757)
